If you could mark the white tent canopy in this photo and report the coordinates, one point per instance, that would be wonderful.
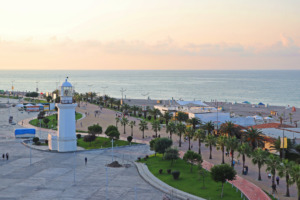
(191, 103)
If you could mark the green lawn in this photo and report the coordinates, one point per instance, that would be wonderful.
(10, 97)
(53, 121)
(35, 100)
(190, 182)
(101, 142)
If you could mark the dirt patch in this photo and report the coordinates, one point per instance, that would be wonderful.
(114, 164)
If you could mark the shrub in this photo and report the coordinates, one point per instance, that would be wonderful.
(160, 171)
(149, 117)
(78, 136)
(38, 143)
(35, 139)
(147, 157)
(140, 115)
(95, 129)
(176, 174)
(139, 159)
(152, 143)
(129, 139)
(89, 138)
(169, 171)
(46, 141)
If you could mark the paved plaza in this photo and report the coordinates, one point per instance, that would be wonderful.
(51, 175)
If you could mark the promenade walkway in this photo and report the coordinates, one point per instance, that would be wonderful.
(107, 117)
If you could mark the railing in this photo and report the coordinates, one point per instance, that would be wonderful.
(66, 101)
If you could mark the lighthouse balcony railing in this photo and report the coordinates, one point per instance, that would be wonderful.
(66, 101)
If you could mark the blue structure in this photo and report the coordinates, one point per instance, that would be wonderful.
(25, 133)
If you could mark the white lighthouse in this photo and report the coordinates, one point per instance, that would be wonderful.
(65, 140)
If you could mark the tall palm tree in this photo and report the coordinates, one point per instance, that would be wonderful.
(259, 157)
(180, 130)
(92, 95)
(134, 108)
(244, 150)
(132, 124)
(295, 174)
(284, 170)
(86, 96)
(200, 136)
(232, 144)
(210, 141)
(227, 128)
(194, 122)
(111, 101)
(155, 112)
(143, 125)
(189, 132)
(209, 127)
(125, 107)
(156, 126)
(117, 121)
(273, 162)
(167, 117)
(221, 143)
(124, 122)
(118, 103)
(171, 128)
(253, 136)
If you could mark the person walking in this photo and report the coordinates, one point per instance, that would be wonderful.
(7, 156)
(277, 180)
(85, 160)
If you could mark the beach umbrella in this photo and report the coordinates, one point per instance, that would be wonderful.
(246, 102)
(20, 105)
(261, 104)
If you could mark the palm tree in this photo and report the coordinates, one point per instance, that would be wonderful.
(92, 95)
(155, 112)
(210, 141)
(285, 169)
(117, 121)
(86, 96)
(200, 136)
(134, 109)
(189, 132)
(125, 107)
(244, 150)
(171, 128)
(221, 143)
(227, 127)
(273, 162)
(118, 103)
(180, 130)
(194, 122)
(259, 157)
(156, 126)
(167, 116)
(182, 116)
(111, 101)
(209, 127)
(124, 122)
(232, 144)
(253, 136)
(143, 125)
(295, 174)
(132, 124)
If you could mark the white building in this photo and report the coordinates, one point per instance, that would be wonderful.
(65, 139)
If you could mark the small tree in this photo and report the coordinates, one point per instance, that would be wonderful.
(171, 154)
(95, 129)
(129, 139)
(162, 144)
(143, 125)
(46, 121)
(259, 157)
(112, 132)
(192, 157)
(152, 144)
(221, 173)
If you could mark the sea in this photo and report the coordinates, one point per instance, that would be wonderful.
(280, 87)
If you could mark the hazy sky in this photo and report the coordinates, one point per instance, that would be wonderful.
(149, 34)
